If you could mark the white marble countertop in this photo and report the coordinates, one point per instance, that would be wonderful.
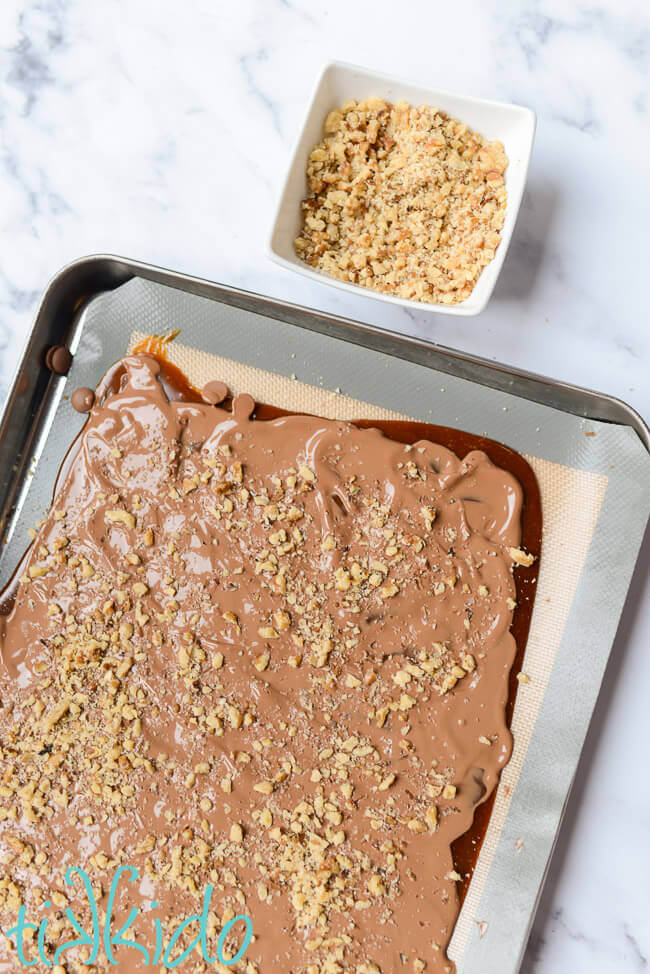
(161, 131)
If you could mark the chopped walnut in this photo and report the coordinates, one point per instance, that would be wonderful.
(403, 200)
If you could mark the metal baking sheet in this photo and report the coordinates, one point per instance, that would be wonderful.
(60, 319)
(94, 305)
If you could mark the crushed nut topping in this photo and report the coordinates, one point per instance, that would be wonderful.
(252, 683)
(404, 200)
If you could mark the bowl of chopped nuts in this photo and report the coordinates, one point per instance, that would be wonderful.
(401, 192)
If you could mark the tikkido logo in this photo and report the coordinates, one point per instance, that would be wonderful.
(103, 937)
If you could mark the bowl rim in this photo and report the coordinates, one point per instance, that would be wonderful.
(464, 308)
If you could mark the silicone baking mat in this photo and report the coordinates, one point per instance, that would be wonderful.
(594, 481)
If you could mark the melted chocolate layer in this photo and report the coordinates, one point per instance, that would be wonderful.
(273, 655)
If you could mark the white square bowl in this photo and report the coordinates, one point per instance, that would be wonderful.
(512, 125)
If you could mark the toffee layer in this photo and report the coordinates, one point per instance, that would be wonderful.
(271, 655)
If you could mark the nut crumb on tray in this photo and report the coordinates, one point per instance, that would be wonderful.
(403, 200)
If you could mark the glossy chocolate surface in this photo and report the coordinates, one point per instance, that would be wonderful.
(273, 653)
